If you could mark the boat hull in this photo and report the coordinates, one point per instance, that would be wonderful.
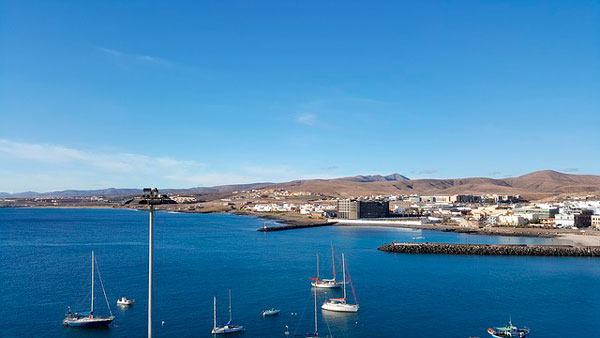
(326, 284)
(228, 329)
(88, 322)
(523, 333)
(270, 313)
(339, 307)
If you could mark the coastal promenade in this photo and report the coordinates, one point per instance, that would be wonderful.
(494, 249)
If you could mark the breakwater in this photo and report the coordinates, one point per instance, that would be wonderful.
(492, 249)
(293, 226)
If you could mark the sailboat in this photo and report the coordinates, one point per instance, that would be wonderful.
(326, 283)
(228, 328)
(340, 304)
(316, 333)
(87, 319)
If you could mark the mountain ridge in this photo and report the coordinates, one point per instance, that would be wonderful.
(539, 184)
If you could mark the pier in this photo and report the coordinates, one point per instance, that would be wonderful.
(293, 226)
(492, 249)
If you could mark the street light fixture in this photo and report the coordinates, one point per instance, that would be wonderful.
(152, 198)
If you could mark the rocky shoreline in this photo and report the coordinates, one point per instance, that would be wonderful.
(492, 250)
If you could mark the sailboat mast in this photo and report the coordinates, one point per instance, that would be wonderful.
(316, 327)
(92, 309)
(214, 312)
(230, 305)
(344, 272)
(317, 266)
(332, 262)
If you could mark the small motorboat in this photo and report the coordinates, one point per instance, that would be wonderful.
(270, 312)
(125, 301)
(508, 331)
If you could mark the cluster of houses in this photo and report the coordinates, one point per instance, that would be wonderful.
(466, 210)
(317, 210)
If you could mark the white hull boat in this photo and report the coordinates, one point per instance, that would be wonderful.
(228, 328)
(340, 307)
(326, 283)
(124, 301)
(270, 312)
(340, 304)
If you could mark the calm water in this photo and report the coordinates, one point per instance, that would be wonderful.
(45, 263)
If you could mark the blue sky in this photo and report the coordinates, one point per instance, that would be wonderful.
(181, 94)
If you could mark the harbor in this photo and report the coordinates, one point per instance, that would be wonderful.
(492, 249)
(222, 252)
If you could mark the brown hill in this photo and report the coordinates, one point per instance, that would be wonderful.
(537, 185)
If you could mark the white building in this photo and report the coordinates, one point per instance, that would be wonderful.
(513, 220)
(596, 221)
(564, 220)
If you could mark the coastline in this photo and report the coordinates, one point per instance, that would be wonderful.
(573, 237)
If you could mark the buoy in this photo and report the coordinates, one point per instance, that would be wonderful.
(162, 323)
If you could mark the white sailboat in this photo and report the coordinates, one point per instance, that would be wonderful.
(87, 318)
(228, 328)
(340, 304)
(326, 283)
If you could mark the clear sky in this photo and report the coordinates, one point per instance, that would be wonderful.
(97, 94)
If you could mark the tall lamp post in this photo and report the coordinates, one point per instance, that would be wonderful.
(152, 198)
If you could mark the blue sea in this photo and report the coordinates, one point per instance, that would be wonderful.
(45, 267)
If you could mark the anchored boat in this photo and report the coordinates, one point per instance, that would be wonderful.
(326, 283)
(340, 304)
(227, 328)
(508, 331)
(124, 301)
(270, 312)
(87, 318)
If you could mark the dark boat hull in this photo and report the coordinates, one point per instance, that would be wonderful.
(87, 322)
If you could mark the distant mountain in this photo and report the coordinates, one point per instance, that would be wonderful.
(536, 185)
(112, 192)
(375, 178)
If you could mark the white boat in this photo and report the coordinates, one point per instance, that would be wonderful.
(508, 331)
(125, 301)
(340, 304)
(326, 283)
(270, 312)
(227, 328)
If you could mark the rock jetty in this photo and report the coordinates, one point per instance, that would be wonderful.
(492, 249)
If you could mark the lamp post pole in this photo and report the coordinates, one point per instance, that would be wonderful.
(150, 262)
(150, 197)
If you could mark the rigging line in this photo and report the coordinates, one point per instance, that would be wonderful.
(300, 320)
(102, 284)
(351, 286)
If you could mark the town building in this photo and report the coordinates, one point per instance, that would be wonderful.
(512, 220)
(564, 220)
(583, 219)
(595, 221)
(352, 209)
